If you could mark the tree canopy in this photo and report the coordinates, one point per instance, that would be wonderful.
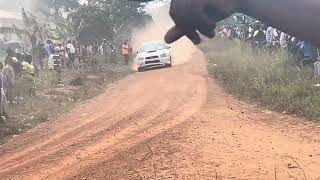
(57, 7)
(94, 20)
(104, 19)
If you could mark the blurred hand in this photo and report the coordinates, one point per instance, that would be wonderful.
(198, 16)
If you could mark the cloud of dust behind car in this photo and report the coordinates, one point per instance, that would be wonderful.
(155, 31)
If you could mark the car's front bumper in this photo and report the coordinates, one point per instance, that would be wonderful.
(159, 62)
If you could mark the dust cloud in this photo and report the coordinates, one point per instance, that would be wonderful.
(155, 31)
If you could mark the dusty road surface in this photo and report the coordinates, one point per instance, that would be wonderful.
(166, 124)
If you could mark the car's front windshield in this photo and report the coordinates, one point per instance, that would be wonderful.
(152, 47)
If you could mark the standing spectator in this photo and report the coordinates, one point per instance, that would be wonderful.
(15, 63)
(83, 51)
(259, 37)
(276, 38)
(307, 49)
(104, 47)
(230, 34)
(9, 79)
(251, 31)
(269, 35)
(17, 66)
(28, 68)
(125, 52)
(90, 60)
(51, 62)
(61, 52)
(55, 64)
(71, 51)
(316, 68)
(272, 38)
(307, 52)
(28, 76)
(225, 31)
(101, 49)
(89, 50)
(293, 47)
(49, 47)
(96, 48)
(80, 51)
(56, 60)
(283, 40)
(42, 54)
(3, 99)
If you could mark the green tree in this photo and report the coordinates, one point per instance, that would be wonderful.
(106, 19)
(56, 8)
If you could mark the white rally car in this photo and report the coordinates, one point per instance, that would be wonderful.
(153, 54)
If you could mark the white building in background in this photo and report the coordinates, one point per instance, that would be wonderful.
(12, 27)
(12, 30)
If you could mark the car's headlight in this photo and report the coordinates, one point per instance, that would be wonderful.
(140, 58)
(164, 55)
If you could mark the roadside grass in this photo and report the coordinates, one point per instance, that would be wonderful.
(273, 81)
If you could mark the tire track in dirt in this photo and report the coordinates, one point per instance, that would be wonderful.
(131, 137)
(87, 121)
(76, 131)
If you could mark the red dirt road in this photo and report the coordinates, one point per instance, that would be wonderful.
(166, 124)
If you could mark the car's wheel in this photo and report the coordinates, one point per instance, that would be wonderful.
(140, 69)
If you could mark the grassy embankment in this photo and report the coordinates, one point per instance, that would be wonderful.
(273, 81)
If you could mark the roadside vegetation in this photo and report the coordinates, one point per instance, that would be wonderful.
(95, 30)
(273, 80)
(52, 100)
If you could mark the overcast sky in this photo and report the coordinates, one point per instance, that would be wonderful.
(83, 1)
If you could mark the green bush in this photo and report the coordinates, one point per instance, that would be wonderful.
(273, 80)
